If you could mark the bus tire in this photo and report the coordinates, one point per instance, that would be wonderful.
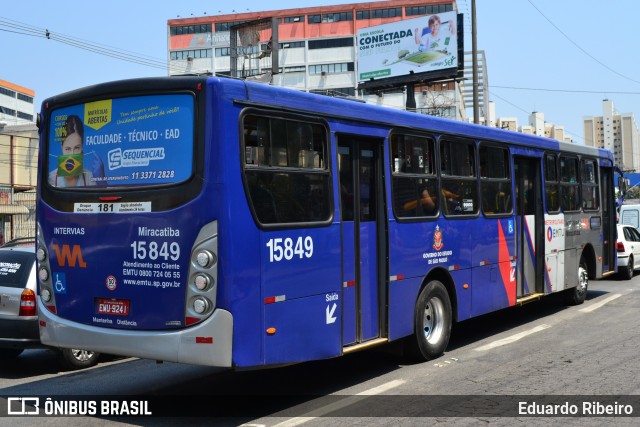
(577, 295)
(78, 359)
(432, 323)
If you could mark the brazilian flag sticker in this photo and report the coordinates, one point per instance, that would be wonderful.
(70, 165)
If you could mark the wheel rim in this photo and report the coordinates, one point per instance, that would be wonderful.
(433, 320)
(583, 280)
(81, 355)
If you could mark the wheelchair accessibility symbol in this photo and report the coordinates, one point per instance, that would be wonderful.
(60, 283)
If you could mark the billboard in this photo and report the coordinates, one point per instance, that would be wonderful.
(413, 46)
(141, 140)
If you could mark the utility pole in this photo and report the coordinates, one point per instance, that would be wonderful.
(474, 52)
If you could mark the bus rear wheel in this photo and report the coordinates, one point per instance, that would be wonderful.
(72, 358)
(577, 295)
(432, 323)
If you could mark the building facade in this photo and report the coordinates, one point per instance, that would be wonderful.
(18, 180)
(16, 104)
(616, 132)
(317, 50)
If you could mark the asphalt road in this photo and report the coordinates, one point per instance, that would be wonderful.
(543, 353)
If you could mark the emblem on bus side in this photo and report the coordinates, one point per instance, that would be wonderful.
(437, 239)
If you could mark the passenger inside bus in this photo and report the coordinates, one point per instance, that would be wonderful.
(426, 204)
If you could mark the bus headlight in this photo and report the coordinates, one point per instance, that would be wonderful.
(200, 305)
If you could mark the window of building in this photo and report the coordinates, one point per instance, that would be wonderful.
(330, 17)
(223, 51)
(190, 29)
(294, 69)
(414, 183)
(290, 45)
(285, 170)
(379, 13)
(196, 53)
(428, 10)
(495, 180)
(458, 174)
(8, 92)
(331, 68)
(290, 19)
(25, 116)
(329, 43)
(7, 111)
(225, 26)
(25, 98)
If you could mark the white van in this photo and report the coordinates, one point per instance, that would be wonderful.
(630, 215)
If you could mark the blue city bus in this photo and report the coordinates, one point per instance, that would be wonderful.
(220, 222)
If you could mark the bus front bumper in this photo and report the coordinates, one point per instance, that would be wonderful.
(208, 343)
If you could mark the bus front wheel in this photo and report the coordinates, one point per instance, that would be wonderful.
(432, 323)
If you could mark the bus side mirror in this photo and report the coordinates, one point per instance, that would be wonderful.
(622, 185)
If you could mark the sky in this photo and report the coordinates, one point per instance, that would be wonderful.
(558, 57)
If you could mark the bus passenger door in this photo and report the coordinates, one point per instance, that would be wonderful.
(530, 227)
(608, 221)
(363, 245)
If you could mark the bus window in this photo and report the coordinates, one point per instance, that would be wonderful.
(458, 169)
(569, 194)
(285, 170)
(414, 183)
(551, 183)
(590, 198)
(495, 180)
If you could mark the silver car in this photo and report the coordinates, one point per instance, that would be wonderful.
(18, 308)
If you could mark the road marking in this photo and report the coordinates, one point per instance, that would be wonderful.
(600, 304)
(512, 338)
(381, 388)
(343, 403)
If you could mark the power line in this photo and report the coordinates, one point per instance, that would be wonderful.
(20, 28)
(528, 112)
(568, 90)
(579, 47)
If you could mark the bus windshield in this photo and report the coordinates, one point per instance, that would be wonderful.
(134, 141)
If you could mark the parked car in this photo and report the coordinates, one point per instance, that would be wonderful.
(18, 315)
(628, 247)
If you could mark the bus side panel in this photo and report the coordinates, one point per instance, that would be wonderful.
(303, 329)
(494, 284)
(412, 250)
(418, 248)
(302, 291)
(239, 289)
(403, 295)
(555, 243)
